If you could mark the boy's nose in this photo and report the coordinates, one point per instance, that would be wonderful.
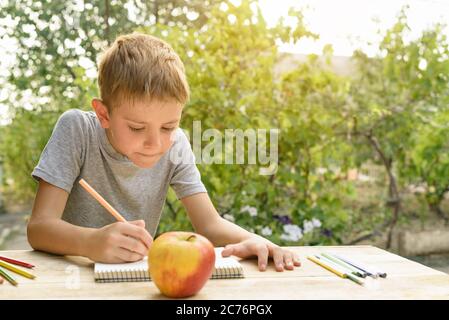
(152, 140)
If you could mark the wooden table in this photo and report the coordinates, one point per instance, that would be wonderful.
(67, 277)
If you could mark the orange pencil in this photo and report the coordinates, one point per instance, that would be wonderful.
(103, 202)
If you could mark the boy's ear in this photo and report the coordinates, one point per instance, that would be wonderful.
(102, 112)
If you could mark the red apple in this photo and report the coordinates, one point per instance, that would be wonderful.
(180, 263)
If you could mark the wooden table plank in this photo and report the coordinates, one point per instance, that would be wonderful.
(60, 277)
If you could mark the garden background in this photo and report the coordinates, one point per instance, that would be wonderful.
(363, 141)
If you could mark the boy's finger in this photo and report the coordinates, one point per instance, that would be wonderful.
(134, 245)
(296, 260)
(228, 250)
(138, 233)
(278, 258)
(262, 257)
(139, 223)
(127, 256)
(288, 260)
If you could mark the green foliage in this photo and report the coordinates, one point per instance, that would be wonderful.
(230, 69)
(328, 123)
(21, 145)
(398, 98)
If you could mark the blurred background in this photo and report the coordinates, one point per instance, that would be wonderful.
(358, 89)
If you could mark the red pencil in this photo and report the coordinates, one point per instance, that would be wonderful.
(17, 262)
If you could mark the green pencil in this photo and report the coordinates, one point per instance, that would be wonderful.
(10, 279)
(344, 264)
(355, 279)
(346, 273)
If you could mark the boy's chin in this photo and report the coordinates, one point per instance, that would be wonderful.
(145, 165)
(143, 161)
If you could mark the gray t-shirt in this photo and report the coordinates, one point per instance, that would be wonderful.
(79, 148)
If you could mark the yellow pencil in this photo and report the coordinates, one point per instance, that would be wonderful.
(324, 265)
(8, 266)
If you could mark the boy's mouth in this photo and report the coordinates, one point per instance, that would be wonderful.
(148, 155)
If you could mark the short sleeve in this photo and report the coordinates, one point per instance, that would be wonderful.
(186, 178)
(61, 160)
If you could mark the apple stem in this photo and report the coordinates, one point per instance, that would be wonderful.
(191, 237)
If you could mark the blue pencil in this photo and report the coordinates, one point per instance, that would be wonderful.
(369, 271)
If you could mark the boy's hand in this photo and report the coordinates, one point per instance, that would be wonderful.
(262, 248)
(120, 242)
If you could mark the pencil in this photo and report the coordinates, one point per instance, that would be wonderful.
(351, 268)
(371, 272)
(329, 265)
(326, 266)
(102, 201)
(17, 262)
(12, 268)
(347, 273)
(1, 280)
(8, 278)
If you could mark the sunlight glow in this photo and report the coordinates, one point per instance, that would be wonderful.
(351, 24)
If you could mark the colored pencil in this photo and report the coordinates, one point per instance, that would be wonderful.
(353, 270)
(1, 280)
(17, 262)
(101, 200)
(326, 266)
(7, 277)
(329, 265)
(355, 279)
(346, 271)
(370, 271)
(12, 268)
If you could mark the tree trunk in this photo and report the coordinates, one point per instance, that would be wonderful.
(394, 202)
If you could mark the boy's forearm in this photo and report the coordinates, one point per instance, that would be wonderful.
(59, 237)
(224, 232)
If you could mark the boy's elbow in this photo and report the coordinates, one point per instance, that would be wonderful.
(30, 235)
(33, 234)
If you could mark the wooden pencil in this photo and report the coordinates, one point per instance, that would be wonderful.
(12, 268)
(101, 200)
(17, 262)
(7, 277)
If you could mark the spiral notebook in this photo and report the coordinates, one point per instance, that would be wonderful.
(225, 268)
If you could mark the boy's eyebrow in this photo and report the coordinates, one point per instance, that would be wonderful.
(173, 121)
(143, 122)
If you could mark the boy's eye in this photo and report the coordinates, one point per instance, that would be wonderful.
(168, 129)
(135, 129)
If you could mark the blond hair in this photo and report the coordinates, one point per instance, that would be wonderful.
(140, 66)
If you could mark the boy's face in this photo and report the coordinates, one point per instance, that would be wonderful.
(144, 131)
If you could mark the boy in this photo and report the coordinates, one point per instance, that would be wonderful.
(122, 150)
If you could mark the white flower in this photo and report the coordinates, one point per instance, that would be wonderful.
(316, 223)
(291, 232)
(266, 231)
(229, 217)
(308, 226)
(251, 210)
(286, 237)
